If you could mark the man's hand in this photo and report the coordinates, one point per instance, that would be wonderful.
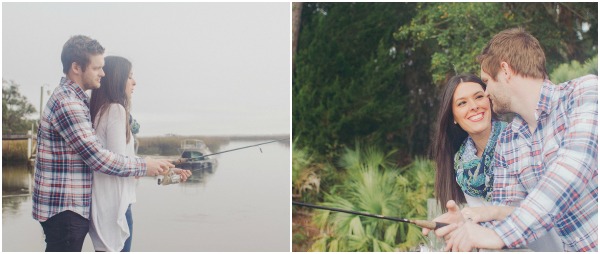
(183, 173)
(452, 216)
(156, 167)
(465, 236)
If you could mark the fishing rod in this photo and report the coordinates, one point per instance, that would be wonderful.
(171, 178)
(421, 223)
(183, 160)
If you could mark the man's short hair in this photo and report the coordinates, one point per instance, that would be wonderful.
(519, 49)
(78, 49)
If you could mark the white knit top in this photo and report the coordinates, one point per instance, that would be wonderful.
(111, 195)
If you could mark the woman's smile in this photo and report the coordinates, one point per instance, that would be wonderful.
(477, 117)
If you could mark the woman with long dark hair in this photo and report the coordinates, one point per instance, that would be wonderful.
(464, 143)
(463, 149)
(111, 222)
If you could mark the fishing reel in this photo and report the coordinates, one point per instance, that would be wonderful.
(169, 178)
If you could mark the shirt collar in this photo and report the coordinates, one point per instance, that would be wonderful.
(71, 85)
(544, 105)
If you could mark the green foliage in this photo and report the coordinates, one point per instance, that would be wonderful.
(305, 175)
(299, 238)
(457, 32)
(372, 71)
(308, 175)
(374, 185)
(566, 72)
(418, 179)
(351, 79)
(15, 109)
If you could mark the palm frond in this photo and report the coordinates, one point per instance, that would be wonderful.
(374, 185)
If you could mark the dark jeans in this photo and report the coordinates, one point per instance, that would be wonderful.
(127, 246)
(65, 231)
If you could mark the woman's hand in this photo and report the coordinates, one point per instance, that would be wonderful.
(486, 213)
(452, 216)
(479, 214)
(183, 173)
(156, 167)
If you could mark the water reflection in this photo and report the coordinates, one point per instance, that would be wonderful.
(16, 183)
(12, 205)
(199, 176)
(240, 205)
(16, 179)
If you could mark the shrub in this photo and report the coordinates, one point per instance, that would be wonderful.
(568, 71)
(374, 185)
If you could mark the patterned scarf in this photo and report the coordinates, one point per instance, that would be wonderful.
(134, 125)
(473, 174)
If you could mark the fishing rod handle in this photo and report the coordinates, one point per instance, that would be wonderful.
(428, 224)
(179, 161)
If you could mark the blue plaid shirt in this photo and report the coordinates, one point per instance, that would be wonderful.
(67, 152)
(551, 175)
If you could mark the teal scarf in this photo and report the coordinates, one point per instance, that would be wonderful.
(473, 174)
(134, 125)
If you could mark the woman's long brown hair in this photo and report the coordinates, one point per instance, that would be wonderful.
(112, 89)
(448, 138)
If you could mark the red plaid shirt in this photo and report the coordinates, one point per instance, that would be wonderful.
(67, 152)
(551, 175)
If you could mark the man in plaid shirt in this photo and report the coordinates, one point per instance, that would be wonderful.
(546, 160)
(68, 151)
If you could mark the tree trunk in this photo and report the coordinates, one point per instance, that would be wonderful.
(296, 19)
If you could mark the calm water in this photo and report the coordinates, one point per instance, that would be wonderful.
(243, 205)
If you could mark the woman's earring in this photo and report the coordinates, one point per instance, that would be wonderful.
(454, 122)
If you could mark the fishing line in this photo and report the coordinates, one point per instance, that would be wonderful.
(183, 160)
(226, 151)
(421, 223)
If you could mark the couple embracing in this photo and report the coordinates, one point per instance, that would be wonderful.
(532, 182)
(86, 168)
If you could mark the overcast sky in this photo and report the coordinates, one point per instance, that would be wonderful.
(201, 68)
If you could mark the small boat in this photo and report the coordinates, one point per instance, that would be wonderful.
(192, 156)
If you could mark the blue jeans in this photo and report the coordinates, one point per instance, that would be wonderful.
(127, 246)
(65, 231)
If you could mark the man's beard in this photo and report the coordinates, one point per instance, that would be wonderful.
(501, 107)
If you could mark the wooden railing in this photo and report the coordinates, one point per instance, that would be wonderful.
(29, 137)
(18, 136)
